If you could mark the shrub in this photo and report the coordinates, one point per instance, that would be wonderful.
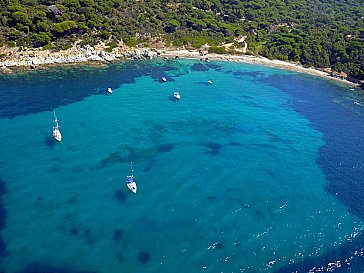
(11, 44)
(48, 47)
(218, 50)
(132, 42)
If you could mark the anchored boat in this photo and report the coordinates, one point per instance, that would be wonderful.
(56, 132)
(130, 182)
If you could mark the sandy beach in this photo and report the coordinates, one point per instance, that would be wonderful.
(253, 60)
(12, 59)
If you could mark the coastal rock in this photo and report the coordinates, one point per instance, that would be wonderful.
(54, 9)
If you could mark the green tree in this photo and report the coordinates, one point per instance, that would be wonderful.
(41, 39)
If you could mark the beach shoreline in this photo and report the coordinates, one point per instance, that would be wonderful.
(250, 59)
(14, 60)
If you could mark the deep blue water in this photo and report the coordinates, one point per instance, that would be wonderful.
(259, 172)
(339, 115)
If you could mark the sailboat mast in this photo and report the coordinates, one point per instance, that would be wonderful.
(131, 168)
(55, 119)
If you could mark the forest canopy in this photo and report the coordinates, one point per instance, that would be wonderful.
(320, 33)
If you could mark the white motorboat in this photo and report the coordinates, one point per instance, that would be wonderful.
(130, 182)
(109, 90)
(209, 82)
(56, 132)
(164, 79)
(177, 95)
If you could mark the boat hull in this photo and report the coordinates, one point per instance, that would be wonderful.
(132, 186)
(57, 135)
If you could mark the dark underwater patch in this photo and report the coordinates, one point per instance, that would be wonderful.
(118, 233)
(213, 66)
(117, 157)
(37, 91)
(199, 67)
(73, 231)
(130, 155)
(38, 267)
(165, 148)
(113, 158)
(159, 72)
(253, 74)
(214, 148)
(144, 257)
(211, 198)
(120, 196)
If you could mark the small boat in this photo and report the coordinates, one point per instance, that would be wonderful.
(209, 82)
(177, 95)
(130, 182)
(164, 79)
(109, 90)
(56, 132)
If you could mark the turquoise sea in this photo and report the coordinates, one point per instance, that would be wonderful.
(261, 171)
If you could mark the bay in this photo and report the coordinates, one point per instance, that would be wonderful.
(261, 171)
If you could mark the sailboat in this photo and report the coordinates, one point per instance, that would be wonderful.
(130, 182)
(56, 132)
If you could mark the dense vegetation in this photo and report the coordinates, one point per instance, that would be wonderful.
(321, 33)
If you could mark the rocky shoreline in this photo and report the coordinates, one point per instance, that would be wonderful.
(31, 59)
(13, 59)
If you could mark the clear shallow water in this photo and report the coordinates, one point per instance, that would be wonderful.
(239, 176)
